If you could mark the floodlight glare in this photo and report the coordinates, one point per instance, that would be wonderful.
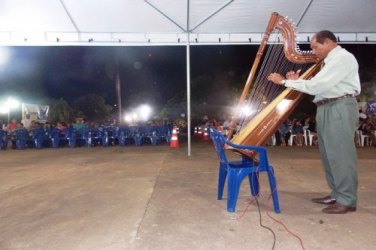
(128, 118)
(4, 109)
(144, 111)
(12, 103)
(246, 110)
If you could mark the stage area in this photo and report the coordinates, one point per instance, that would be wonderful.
(159, 198)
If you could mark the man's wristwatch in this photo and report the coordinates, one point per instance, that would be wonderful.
(283, 82)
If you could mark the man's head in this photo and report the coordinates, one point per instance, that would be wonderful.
(322, 43)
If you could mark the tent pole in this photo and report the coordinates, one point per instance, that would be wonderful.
(304, 12)
(188, 57)
(188, 93)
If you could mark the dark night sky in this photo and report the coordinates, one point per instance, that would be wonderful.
(34, 73)
(69, 72)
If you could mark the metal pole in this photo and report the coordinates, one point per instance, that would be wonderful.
(118, 92)
(188, 56)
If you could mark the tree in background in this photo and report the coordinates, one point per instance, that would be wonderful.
(93, 107)
(60, 111)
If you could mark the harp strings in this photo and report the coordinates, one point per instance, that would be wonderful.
(264, 91)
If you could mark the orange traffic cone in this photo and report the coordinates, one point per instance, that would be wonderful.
(206, 135)
(174, 139)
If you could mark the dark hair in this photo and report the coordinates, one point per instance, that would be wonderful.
(325, 34)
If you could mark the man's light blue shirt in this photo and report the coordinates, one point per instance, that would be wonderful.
(337, 78)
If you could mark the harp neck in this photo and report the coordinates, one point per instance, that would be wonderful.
(290, 47)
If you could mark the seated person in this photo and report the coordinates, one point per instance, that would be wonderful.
(283, 133)
(297, 130)
(368, 128)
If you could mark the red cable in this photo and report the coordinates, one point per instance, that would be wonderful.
(246, 208)
(280, 222)
(267, 213)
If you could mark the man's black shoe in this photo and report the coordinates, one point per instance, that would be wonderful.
(327, 200)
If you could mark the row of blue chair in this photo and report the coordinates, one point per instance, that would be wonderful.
(89, 137)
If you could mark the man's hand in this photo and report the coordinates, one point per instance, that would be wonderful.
(276, 78)
(292, 75)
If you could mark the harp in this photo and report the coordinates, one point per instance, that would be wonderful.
(263, 106)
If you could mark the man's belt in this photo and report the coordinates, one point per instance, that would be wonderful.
(329, 100)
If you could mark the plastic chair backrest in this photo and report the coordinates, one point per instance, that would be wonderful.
(219, 138)
(219, 142)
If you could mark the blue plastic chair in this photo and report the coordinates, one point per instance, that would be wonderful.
(236, 171)
(71, 137)
(38, 137)
(3, 139)
(164, 133)
(21, 136)
(136, 134)
(87, 137)
(54, 136)
(124, 136)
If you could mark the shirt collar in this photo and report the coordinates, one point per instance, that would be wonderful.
(332, 53)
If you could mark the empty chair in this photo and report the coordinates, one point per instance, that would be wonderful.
(38, 137)
(164, 133)
(308, 137)
(3, 139)
(136, 134)
(54, 136)
(124, 136)
(236, 171)
(71, 137)
(113, 134)
(21, 136)
(362, 138)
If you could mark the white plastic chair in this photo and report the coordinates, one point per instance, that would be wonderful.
(308, 137)
(291, 139)
(362, 138)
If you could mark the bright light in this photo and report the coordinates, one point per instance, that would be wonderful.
(4, 109)
(144, 111)
(246, 110)
(128, 118)
(12, 103)
(9, 104)
(4, 55)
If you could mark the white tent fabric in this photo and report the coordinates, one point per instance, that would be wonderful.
(176, 22)
(155, 22)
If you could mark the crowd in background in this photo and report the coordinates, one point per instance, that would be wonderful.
(290, 132)
(293, 130)
(31, 129)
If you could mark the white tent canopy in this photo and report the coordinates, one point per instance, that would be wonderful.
(176, 22)
(156, 22)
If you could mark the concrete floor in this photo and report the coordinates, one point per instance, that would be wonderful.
(158, 198)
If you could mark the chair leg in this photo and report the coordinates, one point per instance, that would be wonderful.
(235, 178)
(254, 183)
(273, 189)
(233, 187)
(221, 181)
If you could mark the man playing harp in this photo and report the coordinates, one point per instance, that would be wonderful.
(334, 88)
